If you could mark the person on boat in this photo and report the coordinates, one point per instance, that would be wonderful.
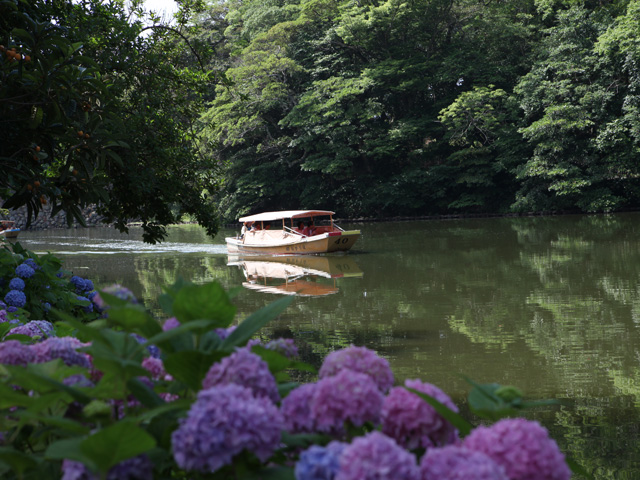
(300, 228)
(246, 227)
(308, 231)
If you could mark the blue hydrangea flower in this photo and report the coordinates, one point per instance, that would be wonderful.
(46, 306)
(221, 423)
(320, 463)
(153, 350)
(86, 308)
(25, 271)
(82, 285)
(15, 298)
(32, 263)
(17, 284)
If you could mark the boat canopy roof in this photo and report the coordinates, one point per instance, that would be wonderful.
(270, 216)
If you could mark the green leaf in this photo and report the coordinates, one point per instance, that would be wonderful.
(134, 318)
(116, 443)
(17, 460)
(190, 367)
(254, 322)
(69, 449)
(210, 301)
(144, 394)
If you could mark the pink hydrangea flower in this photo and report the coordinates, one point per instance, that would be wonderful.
(347, 396)
(522, 447)
(359, 359)
(456, 463)
(376, 457)
(224, 421)
(247, 369)
(412, 422)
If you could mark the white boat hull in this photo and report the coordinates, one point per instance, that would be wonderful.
(266, 242)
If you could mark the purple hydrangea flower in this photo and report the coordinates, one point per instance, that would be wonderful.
(15, 298)
(347, 396)
(25, 271)
(377, 457)
(116, 290)
(11, 310)
(225, 332)
(17, 284)
(136, 468)
(359, 359)
(522, 447)
(170, 324)
(412, 422)
(456, 463)
(222, 422)
(78, 380)
(320, 463)
(32, 263)
(34, 328)
(296, 409)
(285, 346)
(244, 368)
(156, 368)
(12, 352)
(64, 348)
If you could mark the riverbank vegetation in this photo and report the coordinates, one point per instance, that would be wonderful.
(371, 109)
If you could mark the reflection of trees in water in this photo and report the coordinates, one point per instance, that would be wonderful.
(156, 271)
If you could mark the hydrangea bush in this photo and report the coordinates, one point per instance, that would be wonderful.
(33, 287)
(197, 396)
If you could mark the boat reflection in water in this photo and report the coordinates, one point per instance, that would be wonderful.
(295, 275)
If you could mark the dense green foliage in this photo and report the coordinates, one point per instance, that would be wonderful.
(370, 108)
(95, 107)
(428, 106)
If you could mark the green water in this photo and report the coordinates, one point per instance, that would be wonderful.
(551, 305)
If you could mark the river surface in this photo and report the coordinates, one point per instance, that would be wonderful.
(548, 304)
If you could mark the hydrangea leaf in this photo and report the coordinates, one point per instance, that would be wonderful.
(194, 302)
(116, 443)
(17, 460)
(190, 367)
(255, 322)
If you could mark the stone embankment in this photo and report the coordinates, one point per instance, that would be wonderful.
(45, 221)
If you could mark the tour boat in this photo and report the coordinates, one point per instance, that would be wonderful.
(276, 233)
(7, 229)
(295, 275)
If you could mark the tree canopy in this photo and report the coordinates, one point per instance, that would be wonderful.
(374, 108)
